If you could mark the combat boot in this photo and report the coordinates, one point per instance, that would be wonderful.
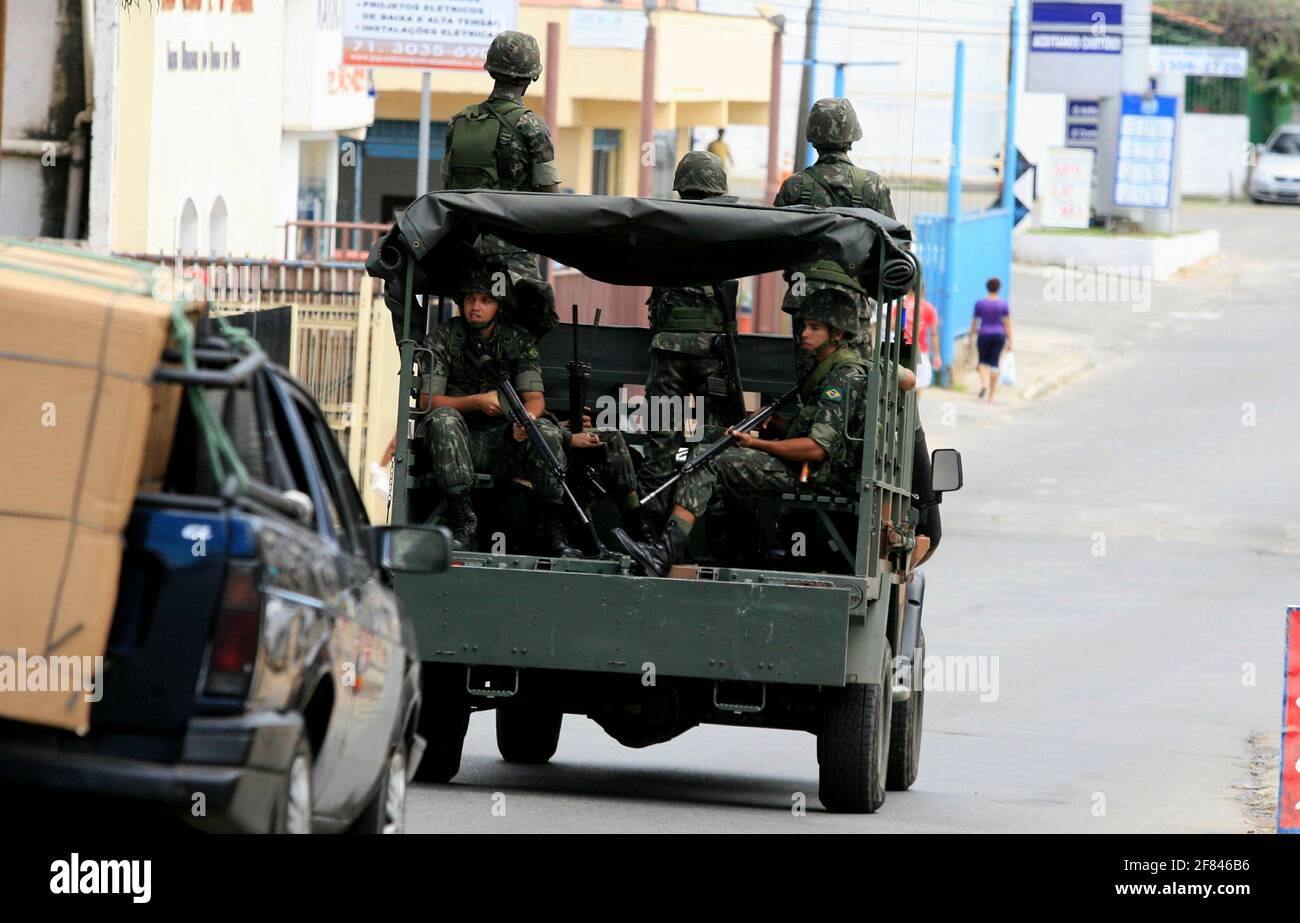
(636, 526)
(656, 557)
(462, 522)
(552, 540)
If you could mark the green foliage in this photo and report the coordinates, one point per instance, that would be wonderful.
(1270, 29)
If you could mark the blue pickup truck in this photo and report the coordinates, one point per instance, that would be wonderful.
(260, 675)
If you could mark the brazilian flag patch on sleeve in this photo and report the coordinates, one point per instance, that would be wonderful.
(835, 395)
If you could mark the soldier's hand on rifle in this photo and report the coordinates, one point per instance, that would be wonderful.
(520, 433)
(389, 452)
(585, 440)
(744, 440)
(490, 404)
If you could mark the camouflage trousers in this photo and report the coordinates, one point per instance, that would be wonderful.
(675, 375)
(459, 451)
(616, 472)
(739, 472)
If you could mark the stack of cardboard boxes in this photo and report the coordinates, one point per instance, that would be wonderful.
(80, 336)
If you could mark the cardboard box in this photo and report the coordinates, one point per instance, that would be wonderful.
(80, 336)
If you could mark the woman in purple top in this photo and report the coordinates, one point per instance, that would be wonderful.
(991, 328)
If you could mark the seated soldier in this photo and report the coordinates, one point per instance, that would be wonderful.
(469, 429)
(614, 468)
(816, 447)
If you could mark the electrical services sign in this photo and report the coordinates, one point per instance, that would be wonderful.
(423, 33)
(1075, 48)
(1144, 153)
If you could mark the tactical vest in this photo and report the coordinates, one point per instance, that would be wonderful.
(833, 473)
(695, 316)
(861, 178)
(479, 132)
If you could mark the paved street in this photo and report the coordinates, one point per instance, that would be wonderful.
(1123, 547)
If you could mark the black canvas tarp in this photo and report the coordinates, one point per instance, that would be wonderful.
(633, 241)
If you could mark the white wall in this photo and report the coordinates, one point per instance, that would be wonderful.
(1213, 158)
(217, 132)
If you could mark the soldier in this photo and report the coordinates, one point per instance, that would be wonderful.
(502, 144)
(468, 431)
(683, 322)
(834, 181)
(616, 471)
(815, 447)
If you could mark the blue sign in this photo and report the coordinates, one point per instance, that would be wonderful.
(1085, 133)
(1144, 153)
(1076, 43)
(1083, 109)
(1079, 14)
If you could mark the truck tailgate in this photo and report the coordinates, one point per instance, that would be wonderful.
(563, 620)
(172, 573)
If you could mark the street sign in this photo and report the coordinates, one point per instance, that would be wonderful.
(1081, 117)
(1199, 61)
(1144, 157)
(1075, 48)
(423, 33)
(1066, 189)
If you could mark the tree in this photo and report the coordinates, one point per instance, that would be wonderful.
(1269, 29)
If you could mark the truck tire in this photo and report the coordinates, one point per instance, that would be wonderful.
(905, 729)
(854, 745)
(293, 809)
(386, 811)
(444, 719)
(527, 732)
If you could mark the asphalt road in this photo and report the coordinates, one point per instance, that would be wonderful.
(1124, 548)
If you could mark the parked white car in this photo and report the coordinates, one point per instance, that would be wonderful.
(1276, 176)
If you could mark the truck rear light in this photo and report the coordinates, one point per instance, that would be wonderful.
(237, 634)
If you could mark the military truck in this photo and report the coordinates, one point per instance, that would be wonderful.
(818, 632)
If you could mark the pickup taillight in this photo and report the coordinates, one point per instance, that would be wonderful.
(237, 633)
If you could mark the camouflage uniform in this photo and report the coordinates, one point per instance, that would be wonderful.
(525, 155)
(684, 319)
(461, 445)
(832, 402)
(617, 472)
(834, 181)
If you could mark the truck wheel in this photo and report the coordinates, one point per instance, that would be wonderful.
(293, 808)
(527, 732)
(444, 719)
(905, 729)
(854, 745)
(386, 812)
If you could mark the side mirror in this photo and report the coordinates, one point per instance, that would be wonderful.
(412, 549)
(945, 470)
(303, 509)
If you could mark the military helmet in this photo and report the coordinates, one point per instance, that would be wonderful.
(488, 278)
(514, 56)
(833, 123)
(830, 305)
(701, 172)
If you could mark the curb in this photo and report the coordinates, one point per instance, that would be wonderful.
(1045, 386)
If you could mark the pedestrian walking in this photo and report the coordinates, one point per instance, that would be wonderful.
(991, 330)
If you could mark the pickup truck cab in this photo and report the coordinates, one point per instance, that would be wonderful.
(260, 675)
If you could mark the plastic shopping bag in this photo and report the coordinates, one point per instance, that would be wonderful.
(1007, 369)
